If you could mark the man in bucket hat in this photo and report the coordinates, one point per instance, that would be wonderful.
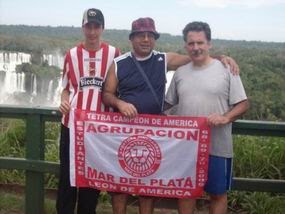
(90, 59)
(144, 25)
(129, 92)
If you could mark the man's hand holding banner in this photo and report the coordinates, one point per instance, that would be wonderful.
(147, 155)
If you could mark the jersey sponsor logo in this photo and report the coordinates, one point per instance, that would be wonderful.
(139, 156)
(91, 81)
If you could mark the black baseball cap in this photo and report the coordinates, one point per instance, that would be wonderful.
(93, 15)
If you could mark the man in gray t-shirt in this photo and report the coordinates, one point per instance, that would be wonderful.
(206, 88)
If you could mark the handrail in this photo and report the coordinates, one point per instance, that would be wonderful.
(259, 128)
(35, 118)
(35, 165)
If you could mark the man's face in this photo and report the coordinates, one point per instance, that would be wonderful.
(197, 46)
(143, 43)
(92, 33)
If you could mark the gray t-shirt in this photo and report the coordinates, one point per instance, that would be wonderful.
(203, 91)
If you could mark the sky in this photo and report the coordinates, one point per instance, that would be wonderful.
(251, 20)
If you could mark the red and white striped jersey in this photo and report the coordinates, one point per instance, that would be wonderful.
(83, 76)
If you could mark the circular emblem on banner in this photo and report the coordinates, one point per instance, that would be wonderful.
(139, 155)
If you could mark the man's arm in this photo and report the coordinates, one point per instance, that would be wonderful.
(216, 119)
(228, 61)
(175, 60)
(110, 98)
(64, 107)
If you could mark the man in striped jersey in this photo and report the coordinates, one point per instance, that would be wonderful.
(84, 71)
(127, 90)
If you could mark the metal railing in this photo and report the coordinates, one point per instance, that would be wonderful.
(35, 165)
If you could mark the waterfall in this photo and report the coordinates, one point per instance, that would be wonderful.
(57, 93)
(9, 83)
(50, 91)
(9, 61)
(22, 88)
(54, 59)
(22, 82)
(34, 85)
(13, 82)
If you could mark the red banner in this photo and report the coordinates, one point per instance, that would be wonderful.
(165, 156)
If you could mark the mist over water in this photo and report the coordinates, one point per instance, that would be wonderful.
(28, 89)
